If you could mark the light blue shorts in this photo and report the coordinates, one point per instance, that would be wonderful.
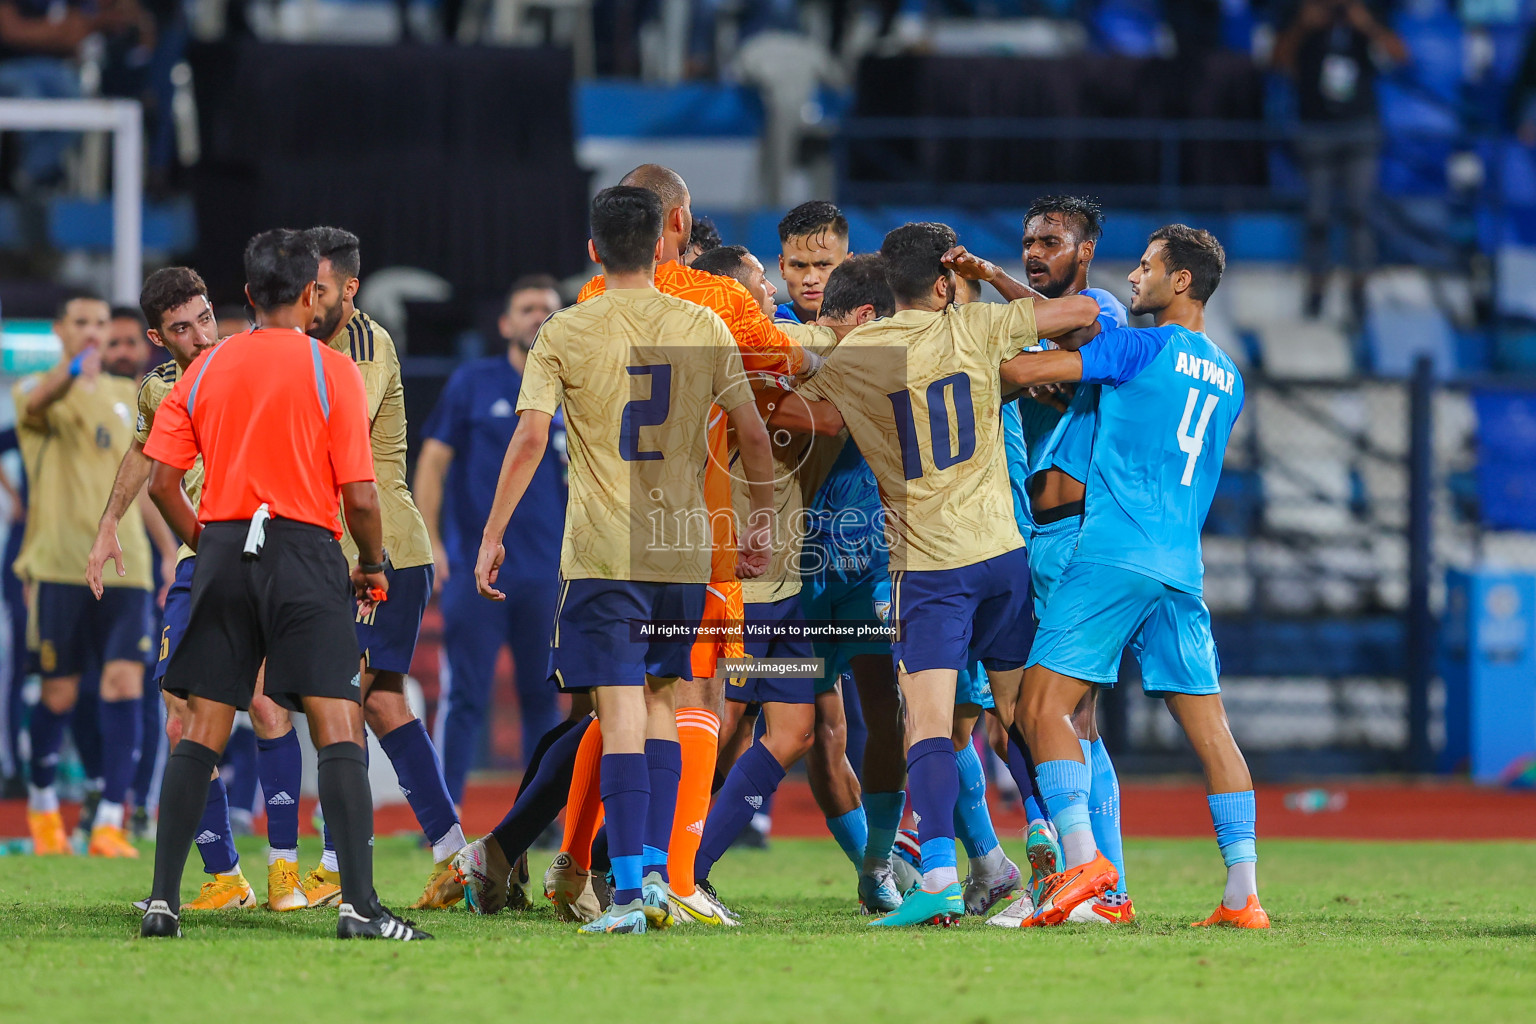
(972, 687)
(1050, 549)
(1096, 610)
(854, 602)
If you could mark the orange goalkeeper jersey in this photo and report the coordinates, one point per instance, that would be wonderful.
(764, 348)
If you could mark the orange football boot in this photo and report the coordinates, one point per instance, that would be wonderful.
(1251, 916)
(49, 838)
(110, 841)
(1062, 892)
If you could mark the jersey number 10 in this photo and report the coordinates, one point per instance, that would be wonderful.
(938, 425)
(1193, 444)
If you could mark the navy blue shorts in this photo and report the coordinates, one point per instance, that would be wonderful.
(387, 634)
(76, 632)
(178, 608)
(774, 689)
(951, 618)
(598, 639)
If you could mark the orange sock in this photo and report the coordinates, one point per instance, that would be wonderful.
(698, 731)
(584, 805)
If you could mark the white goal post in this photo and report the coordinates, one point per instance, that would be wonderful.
(125, 120)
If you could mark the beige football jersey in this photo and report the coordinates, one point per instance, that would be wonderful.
(921, 396)
(637, 372)
(789, 524)
(373, 350)
(71, 461)
(152, 391)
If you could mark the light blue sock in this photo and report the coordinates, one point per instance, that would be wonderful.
(1104, 808)
(1235, 816)
(851, 831)
(883, 812)
(1064, 788)
(973, 822)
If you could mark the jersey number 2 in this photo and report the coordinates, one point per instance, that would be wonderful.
(938, 425)
(1193, 444)
(645, 412)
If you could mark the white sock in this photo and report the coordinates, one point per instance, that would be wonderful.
(989, 863)
(762, 822)
(236, 869)
(275, 855)
(451, 843)
(1242, 882)
(938, 878)
(1077, 847)
(328, 861)
(108, 813)
(42, 799)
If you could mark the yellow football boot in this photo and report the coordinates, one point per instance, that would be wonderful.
(322, 888)
(445, 887)
(224, 892)
(283, 889)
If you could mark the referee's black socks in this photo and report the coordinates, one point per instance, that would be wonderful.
(183, 794)
(347, 801)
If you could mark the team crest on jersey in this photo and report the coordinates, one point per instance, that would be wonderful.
(141, 425)
(883, 612)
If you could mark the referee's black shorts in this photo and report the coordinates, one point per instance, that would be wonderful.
(293, 607)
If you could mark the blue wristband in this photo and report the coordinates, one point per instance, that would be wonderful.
(76, 365)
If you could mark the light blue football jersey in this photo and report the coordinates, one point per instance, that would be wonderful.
(1018, 466)
(1068, 445)
(1168, 401)
(846, 520)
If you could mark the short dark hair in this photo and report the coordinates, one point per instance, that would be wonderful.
(1086, 212)
(813, 218)
(912, 254)
(724, 260)
(704, 236)
(128, 313)
(279, 264)
(1195, 250)
(76, 295)
(530, 282)
(858, 281)
(626, 222)
(341, 247)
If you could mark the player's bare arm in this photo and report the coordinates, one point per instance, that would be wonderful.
(132, 475)
(56, 384)
(365, 524)
(1030, 369)
(529, 441)
(757, 462)
(171, 499)
(973, 268)
(791, 411)
(431, 472)
(1055, 318)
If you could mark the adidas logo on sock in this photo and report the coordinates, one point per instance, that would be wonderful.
(404, 792)
(280, 799)
(207, 836)
(755, 802)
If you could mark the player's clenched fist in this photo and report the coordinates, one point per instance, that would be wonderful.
(487, 566)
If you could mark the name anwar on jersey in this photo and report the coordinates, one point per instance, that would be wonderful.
(1206, 370)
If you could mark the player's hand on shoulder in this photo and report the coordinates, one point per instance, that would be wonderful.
(487, 566)
(968, 265)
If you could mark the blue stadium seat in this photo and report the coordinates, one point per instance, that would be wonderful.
(1398, 335)
(1516, 169)
(1436, 60)
(1126, 27)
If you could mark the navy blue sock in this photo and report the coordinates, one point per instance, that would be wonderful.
(215, 840)
(536, 759)
(85, 727)
(664, 762)
(153, 726)
(544, 792)
(754, 777)
(421, 780)
(46, 732)
(626, 789)
(1020, 765)
(601, 862)
(933, 782)
(281, 768)
(239, 763)
(122, 730)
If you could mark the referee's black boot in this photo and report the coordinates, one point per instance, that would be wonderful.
(382, 925)
(160, 922)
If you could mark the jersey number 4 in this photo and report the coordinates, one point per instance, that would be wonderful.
(944, 456)
(1193, 444)
(645, 412)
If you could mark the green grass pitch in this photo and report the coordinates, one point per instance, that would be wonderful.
(1363, 932)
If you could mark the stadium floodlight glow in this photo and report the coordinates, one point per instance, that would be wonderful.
(125, 120)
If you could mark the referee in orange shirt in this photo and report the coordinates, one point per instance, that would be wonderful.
(281, 423)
